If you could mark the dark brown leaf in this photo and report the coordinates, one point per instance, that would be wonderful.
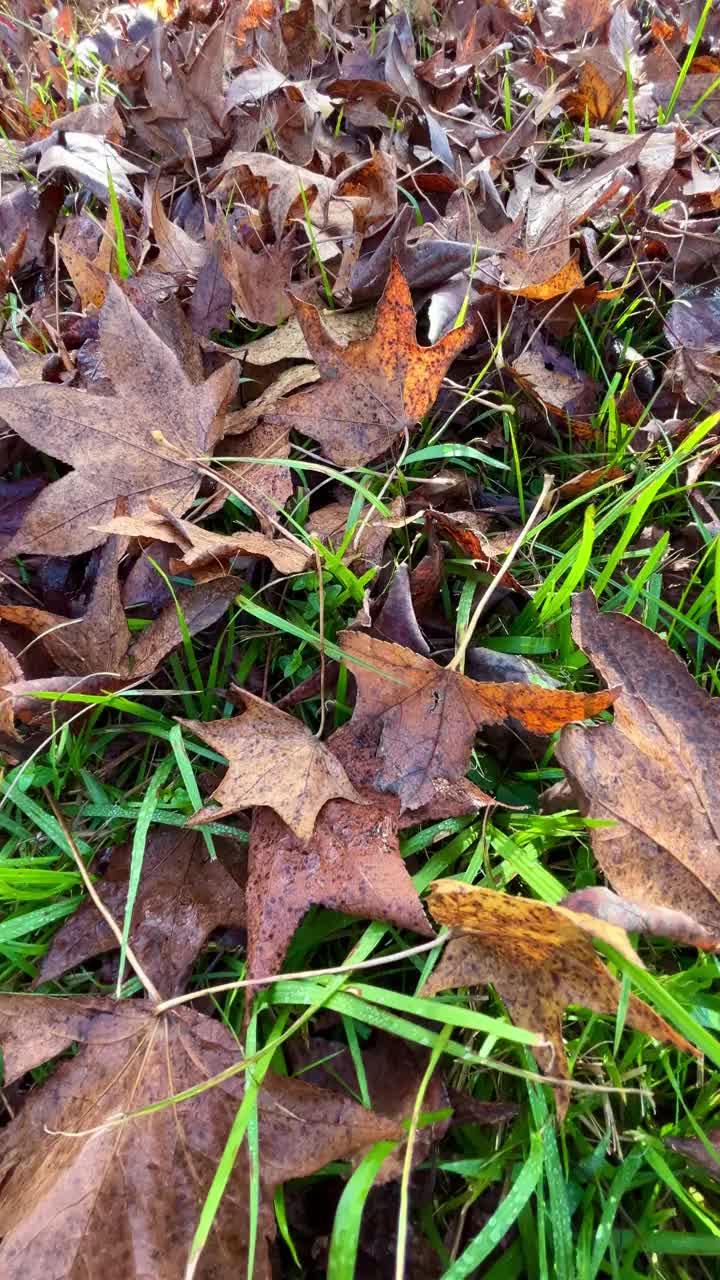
(126, 1198)
(140, 444)
(651, 772)
(430, 715)
(182, 898)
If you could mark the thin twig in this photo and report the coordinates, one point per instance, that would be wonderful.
(459, 659)
(304, 973)
(132, 959)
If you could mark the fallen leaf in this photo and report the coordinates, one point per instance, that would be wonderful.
(475, 544)
(651, 772)
(375, 388)
(147, 436)
(634, 918)
(273, 760)
(199, 607)
(553, 379)
(430, 715)
(539, 958)
(183, 896)
(10, 671)
(89, 158)
(96, 643)
(68, 1161)
(288, 342)
(598, 97)
(694, 1149)
(207, 555)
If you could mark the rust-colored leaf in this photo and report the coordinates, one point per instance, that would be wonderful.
(273, 760)
(651, 772)
(539, 958)
(373, 389)
(430, 715)
(124, 1199)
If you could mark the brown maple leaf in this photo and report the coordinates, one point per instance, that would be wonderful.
(124, 1198)
(140, 444)
(652, 772)
(273, 760)
(351, 864)
(539, 958)
(182, 898)
(430, 714)
(373, 388)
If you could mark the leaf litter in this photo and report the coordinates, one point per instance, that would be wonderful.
(265, 269)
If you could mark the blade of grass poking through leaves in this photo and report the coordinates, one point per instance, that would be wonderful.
(137, 855)
(504, 1216)
(120, 250)
(623, 1179)
(182, 760)
(401, 1247)
(348, 1215)
(666, 1004)
(444, 452)
(560, 1221)
(665, 116)
(245, 1122)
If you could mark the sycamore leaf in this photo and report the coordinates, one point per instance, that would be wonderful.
(652, 772)
(182, 898)
(139, 445)
(273, 760)
(124, 1200)
(430, 715)
(372, 389)
(539, 958)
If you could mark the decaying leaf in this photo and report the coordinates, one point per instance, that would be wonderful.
(373, 388)
(182, 898)
(694, 1149)
(273, 760)
(126, 1197)
(539, 958)
(651, 772)
(207, 555)
(139, 445)
(96, 643)
(430, 715)
(633, 918)
(562, 390)
(352, 863)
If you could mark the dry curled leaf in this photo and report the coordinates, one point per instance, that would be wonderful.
(373, 389)
(183, 896)
(651, 772)
(207, 555)
(539, 958)
(138, 445)
(430, 715)
(273, 760)
(124, 1199)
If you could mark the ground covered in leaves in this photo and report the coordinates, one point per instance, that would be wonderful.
(359, 639)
